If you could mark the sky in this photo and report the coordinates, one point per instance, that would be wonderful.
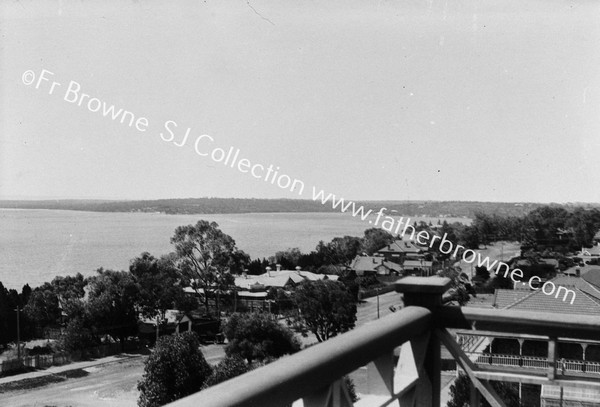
(369, 100)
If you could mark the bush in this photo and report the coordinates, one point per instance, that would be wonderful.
(460, 393)
(175, 369)
(351, 388)
(76, 337)
(228, 368)
(327, 307)
(257, 337)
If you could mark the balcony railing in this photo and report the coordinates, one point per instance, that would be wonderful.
(535, 362)
(315, 375)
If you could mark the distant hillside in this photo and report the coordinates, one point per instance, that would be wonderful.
(235, 205)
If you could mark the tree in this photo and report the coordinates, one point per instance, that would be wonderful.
(228, 368)
(70, 291)
(112, 298)
(376, 239)
(207, 256)
(257, 337)
(460, 287)
(76, 335)
(482, 272)
(460, 393)
(175, 369)
(326, 307)
(43, 306)
(341, 250)
(159, 286)
(287, 258)
(6, 311)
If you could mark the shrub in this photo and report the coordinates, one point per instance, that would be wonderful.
(327, 307)
(175, 369)
(258, 336)
(228, 368)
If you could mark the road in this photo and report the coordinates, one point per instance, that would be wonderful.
(108, 385)
(501, 251)
(367, 310)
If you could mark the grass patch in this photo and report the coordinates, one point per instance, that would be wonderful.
(33, 383)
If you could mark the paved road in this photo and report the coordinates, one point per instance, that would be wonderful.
(367, 310)
(115, 384)
(106, 385)
(501, 251)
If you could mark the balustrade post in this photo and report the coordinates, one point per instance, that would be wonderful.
(427, 292)
(552, 351)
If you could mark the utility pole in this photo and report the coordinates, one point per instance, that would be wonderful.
(157, 325)
(378, 303)
(18, 332)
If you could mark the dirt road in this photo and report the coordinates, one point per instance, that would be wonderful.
(108, 385)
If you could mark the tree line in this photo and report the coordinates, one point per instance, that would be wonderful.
(110, 302)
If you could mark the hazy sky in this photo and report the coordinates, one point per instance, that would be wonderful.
(444, 100)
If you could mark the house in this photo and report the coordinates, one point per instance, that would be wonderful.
(420, 267)
(176, 321)
(284, 279)
(586, 286)
(551, 262)
(400, 250)
(565, 234)
(374, 265)
(592, 252)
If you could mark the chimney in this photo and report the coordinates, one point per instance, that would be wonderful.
(245, 273)
(577, 271)
(278, 267)
(298, 268)
(268, 271)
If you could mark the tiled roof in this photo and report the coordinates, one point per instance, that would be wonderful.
(538, 301)
(401, 246)
(280, 278)
(586, 302)
(506, 297)
(370, 263)
(591, 274)
(586, 288)
(593, 251)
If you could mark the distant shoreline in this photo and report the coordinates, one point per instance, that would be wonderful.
(200, 206)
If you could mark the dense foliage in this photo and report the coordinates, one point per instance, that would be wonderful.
(9, 301)
(160, 287)
(112, 299)
(460, 393)
(207, 257)
(257, 336)
(326, 307)
(228, 368)
(175, 369)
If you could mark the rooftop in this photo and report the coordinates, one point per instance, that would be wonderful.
(401, 246)
(280, 278)
(370, 263)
